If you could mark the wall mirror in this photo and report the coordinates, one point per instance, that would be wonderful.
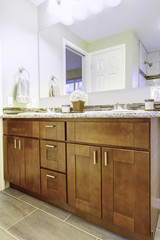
(99, 53)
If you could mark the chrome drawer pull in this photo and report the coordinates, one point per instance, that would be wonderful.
(15, 143)
(50, 146)
(50, 176)
(94, 157)
(19, 144)
(105, 159)
(49, 126)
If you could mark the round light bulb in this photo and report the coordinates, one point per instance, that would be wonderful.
(67, 20)
(113, 3)
(96, 8)
(80, 15)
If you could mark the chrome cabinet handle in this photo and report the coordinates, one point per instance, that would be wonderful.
(50, 126)
(50, 176)
(105, 158)
(50, 146)
(94, 157)
(15, 143)
(20, 145)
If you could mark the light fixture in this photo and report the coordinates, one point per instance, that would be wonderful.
(67, 11)
(58, 2)
(113, 3)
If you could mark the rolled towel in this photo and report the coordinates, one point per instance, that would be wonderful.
(53, 87)
(23, 88)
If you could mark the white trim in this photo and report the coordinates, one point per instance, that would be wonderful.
(2, 182)
(121, 47)
(85, 61)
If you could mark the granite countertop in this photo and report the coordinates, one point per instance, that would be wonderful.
(89, 114)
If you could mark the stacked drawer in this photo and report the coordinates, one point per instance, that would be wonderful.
(53, 160)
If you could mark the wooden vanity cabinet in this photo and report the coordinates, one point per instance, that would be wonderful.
(120, 178)
(53, 161)
(106, 170)
(21, 156)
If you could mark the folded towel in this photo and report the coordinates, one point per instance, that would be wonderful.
(53, 87)
(23, 90)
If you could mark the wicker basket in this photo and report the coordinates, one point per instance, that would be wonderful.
(78, 106)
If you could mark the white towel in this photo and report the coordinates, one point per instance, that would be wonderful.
(23, 91)
(53, 88)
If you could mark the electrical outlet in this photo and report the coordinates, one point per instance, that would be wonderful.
(10, 101)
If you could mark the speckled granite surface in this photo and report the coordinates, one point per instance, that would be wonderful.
(90, 114)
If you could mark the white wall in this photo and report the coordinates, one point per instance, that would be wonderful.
(19, 46)
(51, 55)
(123, 96)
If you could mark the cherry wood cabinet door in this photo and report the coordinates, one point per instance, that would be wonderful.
(29, 164)
(11, 160)
(125, 189)
(84, 178)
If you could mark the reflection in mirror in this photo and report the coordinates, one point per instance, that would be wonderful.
(102, 32)
(73, 70)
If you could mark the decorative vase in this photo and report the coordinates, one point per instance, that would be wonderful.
(78, 106)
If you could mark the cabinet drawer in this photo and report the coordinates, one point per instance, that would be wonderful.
(21, 128)
(53, 155)
(110, 133)
(52, 130)
(53, 185)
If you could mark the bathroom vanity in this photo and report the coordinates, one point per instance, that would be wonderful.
(103, 169)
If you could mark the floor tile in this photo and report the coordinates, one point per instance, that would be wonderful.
(12, 210)
(157, 235)
(5, 235)
(93, 229)
(41, 226)
(46, 207)
(13, 192)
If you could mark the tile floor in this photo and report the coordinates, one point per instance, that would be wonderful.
(25, 218)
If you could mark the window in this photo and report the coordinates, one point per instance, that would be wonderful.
(74, 61)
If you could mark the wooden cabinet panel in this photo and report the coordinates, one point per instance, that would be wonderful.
(11, 160)
(123, 221)
(53, 155)
(125, 189)
(84, 178)
(53, 185)
(141, 135)
(52, 130)
(142, 193)
(124, 182)
(21, 128)
(110, 133)
(29, 164)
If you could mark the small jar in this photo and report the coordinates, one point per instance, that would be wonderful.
(149, 104)
(65, 108)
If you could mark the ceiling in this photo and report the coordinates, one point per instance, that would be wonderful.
(143, 16)
(37, 2)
